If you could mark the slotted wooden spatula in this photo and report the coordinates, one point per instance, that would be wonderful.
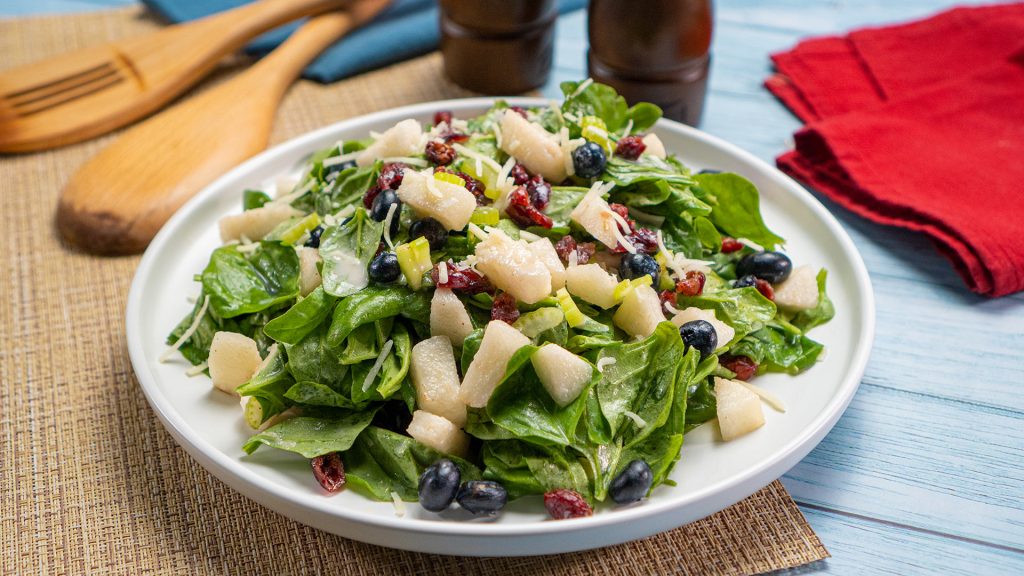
(119, 199)
(86, 93)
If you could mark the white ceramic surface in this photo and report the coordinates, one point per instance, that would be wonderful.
(710, 476)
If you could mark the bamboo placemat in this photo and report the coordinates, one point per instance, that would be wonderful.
(90, 482)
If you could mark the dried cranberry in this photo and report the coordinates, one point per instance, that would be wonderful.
(443, 116)
(584, 251)
(730, 245)
(504, 308)
(565, 247)
(564, 503)
(455, 137)
(765, 288)
(522, 212)
(540, 192)
(621, 210)
(667, 297)
(692, 284)
(643, 239)
(370, 196)
(475, 186)
(391, 176)
(519, 174)
(744, 367)
(630, 147)
(463, 280)
(519, 110)
(329, 471)
(439, 153)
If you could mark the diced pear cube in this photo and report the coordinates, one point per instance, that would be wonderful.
(234, 358)
(533, 146)
(499, 344)
(450, 204)
(545, 251)
(511, 266)
(436, 380)
(309, 275)
(448, 317)
(739, 409)
(799, 291)
(402, 139)
(594, 215)
(563, 374)
(256, 223)
(640, 312)
(654, 145)
(438, 433)
(723, 331)
(591, 283)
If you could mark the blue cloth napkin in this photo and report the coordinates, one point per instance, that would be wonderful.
(405, 29)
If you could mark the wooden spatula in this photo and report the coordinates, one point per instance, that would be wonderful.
(119, 199)
(83, 94)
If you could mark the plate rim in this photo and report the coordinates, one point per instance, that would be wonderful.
(233, 471)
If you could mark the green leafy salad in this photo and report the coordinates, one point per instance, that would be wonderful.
(539, 301)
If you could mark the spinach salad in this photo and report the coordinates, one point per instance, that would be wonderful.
(538, 301)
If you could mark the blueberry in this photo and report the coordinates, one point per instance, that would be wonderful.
(588, 160)
(482, 496)
(771, 266)
(340, 167)
(314, 237)
(438, 485)
(701, 335)
(744, 281)
(381, 204)
(384, 268)
(632, 483)
(430, 229)
(636, 265)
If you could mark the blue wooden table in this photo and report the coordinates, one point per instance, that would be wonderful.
(925, 471)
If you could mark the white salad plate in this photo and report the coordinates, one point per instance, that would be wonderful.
(710, 476)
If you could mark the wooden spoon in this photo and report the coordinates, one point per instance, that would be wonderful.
(83, 94)
(119, 199)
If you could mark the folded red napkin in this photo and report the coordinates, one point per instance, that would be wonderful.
(921, 126)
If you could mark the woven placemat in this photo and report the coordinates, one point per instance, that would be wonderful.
(90, 482)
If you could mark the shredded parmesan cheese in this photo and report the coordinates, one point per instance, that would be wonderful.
(470, 153)
(442, 272)
(396, 500)
(528, 236)
(196, 370)
(620, 237)
(574, 258)
(372, 375)
(374, 135)
(583, 86)
(289, 198)
(571, 117)
(671, 309)
(601, 363)
(335, 160)
(557, 109)
(188, 333)
(247, 248)
(411, 161)
(497, 134)
(387, 224)
(640, 422)
(769, 398)
(754, 245)
(646, 218)
(628, 129)
(477, 231)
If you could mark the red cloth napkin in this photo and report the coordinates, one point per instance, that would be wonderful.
(921, 126)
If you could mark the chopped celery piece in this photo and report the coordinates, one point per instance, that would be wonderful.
(485, 216)
(253, 413)
(297, 231)
(626, 286)
(595, 130)
(449, 178)
(533, 323)
(414, 261)
(572, 313)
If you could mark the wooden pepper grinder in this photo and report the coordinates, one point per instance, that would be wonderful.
(498, 46)
(653, 51)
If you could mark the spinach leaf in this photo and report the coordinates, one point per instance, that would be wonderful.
(701, 405)
(521, 404)
(311, 393)
(197, 348)
(376, 303)
(254, 199)
(563, 200)
(777, 349)
(346, 250)
(269, 384)
(821, 313)
(745, 309)
(312, 360)
(361, 345)
(737, 208)
(301, 319)
(605, 103)
(525, 469)
(312, 436)
(240, 283)
(381, 462)
(347, 188)
(469, 348)
(647, 168)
